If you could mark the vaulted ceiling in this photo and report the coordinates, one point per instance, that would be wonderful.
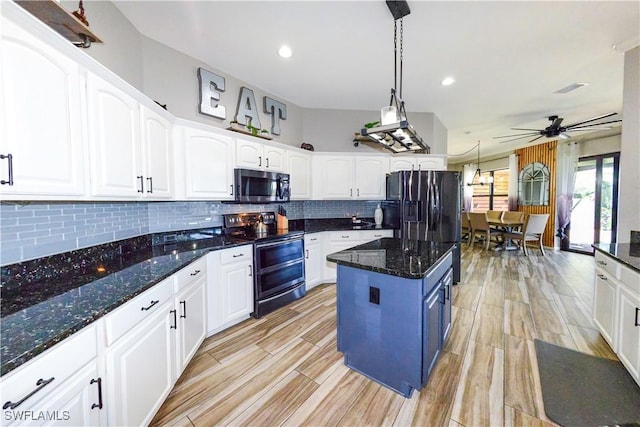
(508, 57)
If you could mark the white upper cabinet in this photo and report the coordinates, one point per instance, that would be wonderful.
(418, 162)
(254, 155)
(299, 169)
(41, 125)
(349, 177)
(114, 138)
(204, 165)
(157, 149)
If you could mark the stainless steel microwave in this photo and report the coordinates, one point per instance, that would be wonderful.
(252, 186)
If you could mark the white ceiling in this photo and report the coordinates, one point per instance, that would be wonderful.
(507, 57)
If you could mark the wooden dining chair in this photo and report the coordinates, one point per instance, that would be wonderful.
(494, 215)
(513, 216)
(466, 228)
(479, 226)
(532, 231)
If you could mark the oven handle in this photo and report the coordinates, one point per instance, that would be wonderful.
(277, 242)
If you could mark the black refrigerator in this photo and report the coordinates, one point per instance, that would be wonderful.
(426, 205)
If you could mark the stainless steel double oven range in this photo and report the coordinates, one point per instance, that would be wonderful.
(278, 259)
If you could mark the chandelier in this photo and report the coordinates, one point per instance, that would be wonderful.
(481, 179)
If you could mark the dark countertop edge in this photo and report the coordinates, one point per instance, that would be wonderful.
(395, 273)
(605, 248)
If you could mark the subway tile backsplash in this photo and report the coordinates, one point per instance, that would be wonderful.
(30, 230)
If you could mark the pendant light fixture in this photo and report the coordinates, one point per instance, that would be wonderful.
(394, 132)
(481, 179)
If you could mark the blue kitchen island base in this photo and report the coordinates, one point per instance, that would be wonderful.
(390, 328)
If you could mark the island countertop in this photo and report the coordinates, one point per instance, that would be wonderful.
(626, 253)
(410, 259)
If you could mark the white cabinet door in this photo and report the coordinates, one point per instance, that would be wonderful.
(336, 241)
(604, 305)
(191, 305)
(237, 291)
(334, 177)
(628, 345)
(139, 370)
(299, 169)
(313, 259)
(370, 177)
(157, 146)
(208, 165)
(41, 123)
(401, 164)
(77, 402)
(431, 163)
(254, 155)
(114, 138)
(369, 235)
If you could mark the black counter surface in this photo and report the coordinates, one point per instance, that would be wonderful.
(626, 253)
(48, 299)
(411, 259)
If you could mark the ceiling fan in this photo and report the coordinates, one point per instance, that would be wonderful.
(556, 128)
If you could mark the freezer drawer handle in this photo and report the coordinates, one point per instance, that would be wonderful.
(40, 383)
(150, 305)
(9, 158)
(99, 382)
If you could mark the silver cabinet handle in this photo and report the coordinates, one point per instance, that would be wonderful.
(259, 160)
(150, 184)
(40, 383)
(250, 270)
(345, 237)
(267, 162)
(195, 273)
(307, 253)
(150, 305)
(184, 309)
(602, 262)
(231, 194)
(9, 158)
(358, 192)
(141, 178)
(175, 319)
(351, 192)
(99, 382)
(602, 277)
(238, 255)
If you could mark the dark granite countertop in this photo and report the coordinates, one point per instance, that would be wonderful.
(410, 259)
(46, 300)
(626, 253)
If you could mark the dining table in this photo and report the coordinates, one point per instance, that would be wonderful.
(508, 226)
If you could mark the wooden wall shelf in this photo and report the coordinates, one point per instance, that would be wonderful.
(63, 22)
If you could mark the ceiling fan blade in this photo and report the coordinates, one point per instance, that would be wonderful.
(515, 134)
(515, 139)
(594, 124)
(604, 116)
(534, 130)
(535, 139)
(555, 124)
(581, 129)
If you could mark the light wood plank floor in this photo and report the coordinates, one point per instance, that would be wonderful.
(283, 369)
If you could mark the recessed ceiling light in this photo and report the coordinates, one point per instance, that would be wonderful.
(448, 81)
(285, 51)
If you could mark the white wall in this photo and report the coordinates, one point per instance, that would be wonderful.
(629, 197)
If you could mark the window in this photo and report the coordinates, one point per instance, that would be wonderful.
(494, 196)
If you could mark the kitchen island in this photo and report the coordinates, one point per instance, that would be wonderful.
(394, 309)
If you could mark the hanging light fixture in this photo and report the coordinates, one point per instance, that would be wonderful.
(394, 132)
(481, 179)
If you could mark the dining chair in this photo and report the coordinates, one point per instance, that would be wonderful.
(480, 224)
(532, 231)
(494, 215)
(466, 228)
(513, 216)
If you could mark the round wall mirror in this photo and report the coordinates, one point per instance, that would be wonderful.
(533, 185)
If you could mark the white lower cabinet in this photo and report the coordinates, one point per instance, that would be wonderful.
(313, 259)
(229, 287)
(140, 370)
(616, 310)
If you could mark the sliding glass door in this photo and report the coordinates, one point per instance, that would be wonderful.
(595, 203)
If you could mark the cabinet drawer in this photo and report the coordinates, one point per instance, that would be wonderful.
(607, 264)
(190, 273)
(239, 254)
(121, 320)
(344, 236)
(56, 364)
(630, 278)
(312, 239)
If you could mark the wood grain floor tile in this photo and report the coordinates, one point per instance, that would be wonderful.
(516, 290)
(493, 293)
(322, 363)
(278, 403)
(323, 332)
(489, 325)
(591, 342)
(479, 396)
(557, 339)
(515, 418)
(407, 411)
(461, 325)
(546, 316)
(375, 406)
(520, 378)
(574, 311)
(466, 297)
(518, 320)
